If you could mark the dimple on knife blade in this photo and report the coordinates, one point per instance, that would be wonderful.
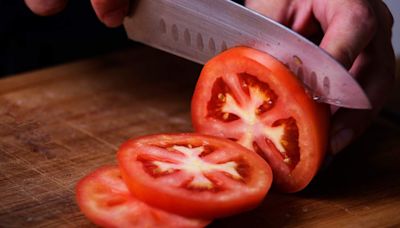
(198, 30)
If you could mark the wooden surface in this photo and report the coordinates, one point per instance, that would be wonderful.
(59, 124)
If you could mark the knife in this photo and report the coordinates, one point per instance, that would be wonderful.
(200, 29)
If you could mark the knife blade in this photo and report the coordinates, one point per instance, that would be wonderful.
(198, 30)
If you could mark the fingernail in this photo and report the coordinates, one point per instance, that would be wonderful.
(114, 18)
(341, 140)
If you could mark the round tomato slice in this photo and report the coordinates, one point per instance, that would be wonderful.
(249, 97)
(194, 175)
(104, 198)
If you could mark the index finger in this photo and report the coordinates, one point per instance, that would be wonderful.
(349, 26)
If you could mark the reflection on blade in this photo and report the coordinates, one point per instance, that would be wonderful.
(198, 30)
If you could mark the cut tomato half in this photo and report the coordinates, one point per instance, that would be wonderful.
(104, 198)
(194, 175)
(251, 98)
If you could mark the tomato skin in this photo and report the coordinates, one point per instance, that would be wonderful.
(311, 118)
(104, 198)
(232, 199)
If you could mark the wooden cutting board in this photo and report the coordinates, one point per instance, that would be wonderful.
(59, 124)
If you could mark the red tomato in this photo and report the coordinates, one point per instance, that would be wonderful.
(104, 198)
(251, 98)
(194, 175)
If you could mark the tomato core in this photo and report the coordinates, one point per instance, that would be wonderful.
(281, 137)
(193, 161)
(194, 175)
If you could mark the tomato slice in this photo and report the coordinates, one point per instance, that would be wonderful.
(194, 175)
(104, 198)
(251, 98)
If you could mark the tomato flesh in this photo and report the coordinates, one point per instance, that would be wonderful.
(194, 175)
(251, 98)
(104, 198)
(226, 108)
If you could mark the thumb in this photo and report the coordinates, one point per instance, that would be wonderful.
(111, 12)
(348, 25)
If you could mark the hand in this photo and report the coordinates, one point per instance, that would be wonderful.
(110, 12)
(357, 33)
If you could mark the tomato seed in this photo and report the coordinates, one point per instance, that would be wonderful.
(221, 97)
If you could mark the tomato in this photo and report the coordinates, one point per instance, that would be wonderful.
(249, 97)
(104, 198)
(194, 175)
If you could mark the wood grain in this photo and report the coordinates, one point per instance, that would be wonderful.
(59, 124)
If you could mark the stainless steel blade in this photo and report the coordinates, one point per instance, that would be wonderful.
(199, 29)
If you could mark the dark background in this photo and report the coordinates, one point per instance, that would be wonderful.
(28, 41)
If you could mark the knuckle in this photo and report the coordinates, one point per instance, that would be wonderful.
(362, 13)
